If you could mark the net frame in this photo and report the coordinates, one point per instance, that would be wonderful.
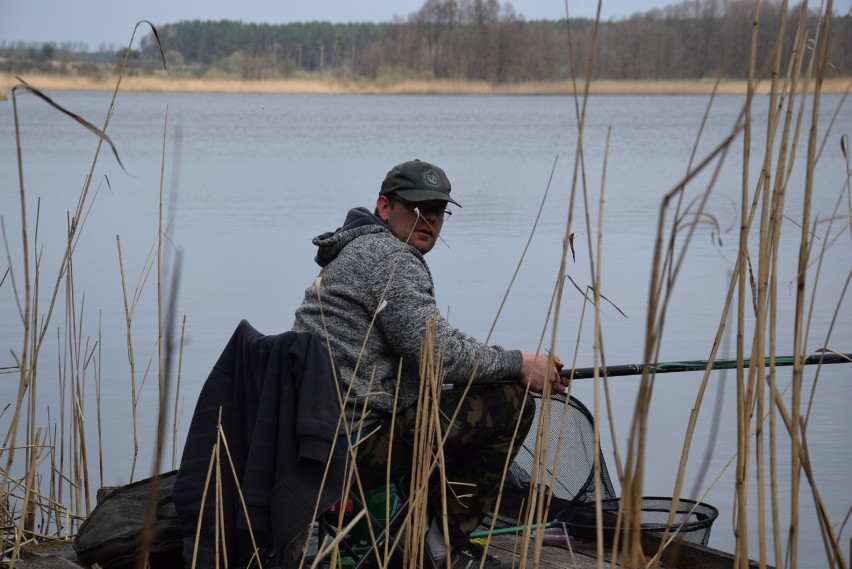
(569, 463)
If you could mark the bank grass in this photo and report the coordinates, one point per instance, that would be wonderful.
(383, 86)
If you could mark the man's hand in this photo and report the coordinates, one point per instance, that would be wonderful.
(535, 372)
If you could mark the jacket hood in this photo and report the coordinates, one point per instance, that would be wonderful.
(359, 221)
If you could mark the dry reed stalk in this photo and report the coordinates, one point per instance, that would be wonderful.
(804, 251)
(834, 318)
(845, 94)
(594, 271)
(75, 225)
(214, 472)
(741, 473)
(764, 275)
(768, 279)
(83, 453)
(98, 407)
(352, 483)
(673, 269)
(792, 79)
(665, 268)
(580, 106)
(543, 422)
(388, 545)
(33, 334)
(500, 309)
(54, 510)
(331, 547)
(342, 421)
(161, 316)
(224, 440)
(348, 431)
(73, 443)
(128, 320)
(538, 485)
(352, 472)
(467, 386)
(45, 500)
(671, 264)
(72, 367)
(630, 508)
(765, 256)
(20, 530)
(538, 500)
(351, 475)
(22, 361)
(826, 243)
(427, 451)
(177, 394)
(598, 351)
(803, 263)
(165, 333)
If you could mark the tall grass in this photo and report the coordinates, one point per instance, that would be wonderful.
(51, 493)
(770, 416)
(753, 294)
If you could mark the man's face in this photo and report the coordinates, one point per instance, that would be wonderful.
(421, 231)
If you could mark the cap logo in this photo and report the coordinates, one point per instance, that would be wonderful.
(430, 178)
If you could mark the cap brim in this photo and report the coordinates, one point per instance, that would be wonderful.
(425, 196)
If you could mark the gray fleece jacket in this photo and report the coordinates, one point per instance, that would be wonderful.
(362, 264)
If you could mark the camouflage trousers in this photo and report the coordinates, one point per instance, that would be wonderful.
(474, 453)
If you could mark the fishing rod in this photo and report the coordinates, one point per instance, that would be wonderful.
(700, 365)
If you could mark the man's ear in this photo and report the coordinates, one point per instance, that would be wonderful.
(383, 208)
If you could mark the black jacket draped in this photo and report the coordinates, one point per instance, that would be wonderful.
(279, 409)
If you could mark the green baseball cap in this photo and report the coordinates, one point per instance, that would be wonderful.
(417, 181)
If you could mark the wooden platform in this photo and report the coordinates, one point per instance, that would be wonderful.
(60, 555)
(577, 555)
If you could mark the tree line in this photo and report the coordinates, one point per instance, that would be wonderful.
(486, 40)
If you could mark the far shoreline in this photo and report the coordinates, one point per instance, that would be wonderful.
(317, 86)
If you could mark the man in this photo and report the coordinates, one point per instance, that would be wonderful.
(374, 299)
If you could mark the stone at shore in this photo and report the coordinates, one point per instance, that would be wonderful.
(49, 555)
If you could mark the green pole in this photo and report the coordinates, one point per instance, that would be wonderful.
(700, 365)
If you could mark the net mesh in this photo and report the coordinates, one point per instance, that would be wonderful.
(692, 520)
(567, 467)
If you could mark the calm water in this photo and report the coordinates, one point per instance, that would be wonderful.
(250, 179)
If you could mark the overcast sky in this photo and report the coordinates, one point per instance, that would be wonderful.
(98, 22)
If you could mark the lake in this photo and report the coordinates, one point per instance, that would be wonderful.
(248, 180)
